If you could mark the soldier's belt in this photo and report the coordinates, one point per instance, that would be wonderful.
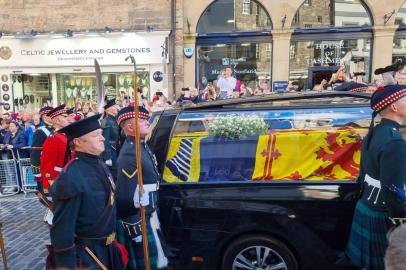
(151, 187)
(107, 240)
(132, 229)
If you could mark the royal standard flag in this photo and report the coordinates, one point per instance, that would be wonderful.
(183, 160)
(308, 155)
(280, 155)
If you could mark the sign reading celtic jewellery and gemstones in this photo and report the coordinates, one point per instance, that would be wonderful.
(327, 52)
(109, 49)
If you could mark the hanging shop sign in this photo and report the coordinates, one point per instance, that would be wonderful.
(109, 49)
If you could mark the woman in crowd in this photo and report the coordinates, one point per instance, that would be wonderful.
(15, 140)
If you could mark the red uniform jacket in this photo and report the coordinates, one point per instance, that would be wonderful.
(53, 158)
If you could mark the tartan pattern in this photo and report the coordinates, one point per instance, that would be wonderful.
(135, 250)
(368, 241)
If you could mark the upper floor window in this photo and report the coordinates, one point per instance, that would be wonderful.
(234, 15)
(331, 13)
(246, 7)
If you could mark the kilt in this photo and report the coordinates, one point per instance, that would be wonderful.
(368, 242)
(136, 251)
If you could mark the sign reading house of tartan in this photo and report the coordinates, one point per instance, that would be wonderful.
(309, 155)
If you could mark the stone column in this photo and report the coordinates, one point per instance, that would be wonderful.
(382, 46)
(280, 55)
(189, 64)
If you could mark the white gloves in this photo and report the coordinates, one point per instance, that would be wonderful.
(143, 201)
(109, 162)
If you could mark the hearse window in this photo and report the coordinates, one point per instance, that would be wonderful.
(315, 144)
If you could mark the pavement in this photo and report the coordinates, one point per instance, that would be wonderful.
(24, 231)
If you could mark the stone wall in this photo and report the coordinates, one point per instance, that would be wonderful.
(79, 15)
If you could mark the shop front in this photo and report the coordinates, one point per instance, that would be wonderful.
(327, 35)
(47, 69)
(234, 34)
(399, 41)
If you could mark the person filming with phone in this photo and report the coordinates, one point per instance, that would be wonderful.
(226, 83)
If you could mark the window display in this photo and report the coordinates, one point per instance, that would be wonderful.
(250, 64)
(80, 88)
(324, 40)
(30, 91)
(311, 62)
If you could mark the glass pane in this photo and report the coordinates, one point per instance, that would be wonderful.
(401, 15)
(233, 15)
(81, 88)
(295, 144)
(249, 63)
(320, 59)
(30, 92)
(322, 13)
(399, 54)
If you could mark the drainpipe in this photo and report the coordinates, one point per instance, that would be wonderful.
(173, 38)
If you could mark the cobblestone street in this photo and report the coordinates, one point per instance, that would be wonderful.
(25, 233)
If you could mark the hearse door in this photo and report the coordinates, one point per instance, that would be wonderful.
(159, 144)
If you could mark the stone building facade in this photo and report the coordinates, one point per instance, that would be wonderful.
(180, 18)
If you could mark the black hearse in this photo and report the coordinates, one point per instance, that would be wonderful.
(266, 182)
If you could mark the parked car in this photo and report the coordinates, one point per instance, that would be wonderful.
(260, 183)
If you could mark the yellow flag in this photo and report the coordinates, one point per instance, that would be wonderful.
(308, 155)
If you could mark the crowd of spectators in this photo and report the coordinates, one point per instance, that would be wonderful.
(227, 86)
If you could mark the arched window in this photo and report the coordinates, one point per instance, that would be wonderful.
(234, 15)
(329, 35)
(331, 13)
(234, 37)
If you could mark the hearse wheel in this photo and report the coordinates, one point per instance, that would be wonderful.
(258, 252)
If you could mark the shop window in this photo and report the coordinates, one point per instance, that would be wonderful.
(78, 89)
(316, 52)
(335, 13)
(30, 91)
(399, 48)
(397, 43)
(249, 61)
(401, 15)
(220, 16)
(311, 62)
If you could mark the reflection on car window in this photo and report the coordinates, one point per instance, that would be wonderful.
(267, 145)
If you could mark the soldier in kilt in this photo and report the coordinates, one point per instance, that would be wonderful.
(83, 232)
(383, 167)
(128, 198)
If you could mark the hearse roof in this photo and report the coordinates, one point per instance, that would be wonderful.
(287, 99)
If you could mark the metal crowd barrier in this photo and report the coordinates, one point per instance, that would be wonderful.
(8, 174)
(28, 183)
